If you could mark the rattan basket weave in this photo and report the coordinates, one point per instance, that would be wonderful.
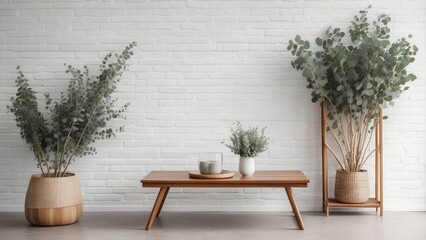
(352, 187)
(53, 201)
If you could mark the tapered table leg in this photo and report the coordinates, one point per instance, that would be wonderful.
(162, 202)
(160, 198)
(294, 207)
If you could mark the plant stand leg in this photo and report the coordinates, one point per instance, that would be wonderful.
(294, 207)
(162, 202)
(160, 198)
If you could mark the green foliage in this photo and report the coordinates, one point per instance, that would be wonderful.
(366, 74)
(78, 118)
(247, 143)
(356, 79)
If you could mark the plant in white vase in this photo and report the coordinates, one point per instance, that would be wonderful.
(247, 143)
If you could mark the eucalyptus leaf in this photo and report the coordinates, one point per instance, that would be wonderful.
(247, 142)
(355, 78)
(76, 117)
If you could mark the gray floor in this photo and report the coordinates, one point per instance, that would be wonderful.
(225, 225)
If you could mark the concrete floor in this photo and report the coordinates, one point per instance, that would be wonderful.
(224, 225)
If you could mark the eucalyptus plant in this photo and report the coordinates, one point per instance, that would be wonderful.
(77, 119)
(247, 142)
(355, 77)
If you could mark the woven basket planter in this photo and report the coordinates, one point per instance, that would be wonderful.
(352, 187)
(53, 201)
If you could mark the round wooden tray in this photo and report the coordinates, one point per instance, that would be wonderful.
(223, 174)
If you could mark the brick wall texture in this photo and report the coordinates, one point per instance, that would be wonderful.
(199, 66)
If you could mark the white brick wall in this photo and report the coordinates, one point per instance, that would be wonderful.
(199, 66)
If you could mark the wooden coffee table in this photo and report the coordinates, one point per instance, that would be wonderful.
(271, 179)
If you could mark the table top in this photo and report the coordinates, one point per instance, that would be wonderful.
(282, 178)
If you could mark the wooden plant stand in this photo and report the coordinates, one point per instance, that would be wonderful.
(377, 201)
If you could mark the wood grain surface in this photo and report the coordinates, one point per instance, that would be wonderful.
(284, 178)
(223, 174)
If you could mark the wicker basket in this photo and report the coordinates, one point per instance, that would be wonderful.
(53, 201)
(352, 187)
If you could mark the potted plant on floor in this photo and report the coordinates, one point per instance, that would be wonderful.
(354, 81)
(78, 119)
(247, 143)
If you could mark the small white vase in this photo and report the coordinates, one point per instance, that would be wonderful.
(247, 166)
